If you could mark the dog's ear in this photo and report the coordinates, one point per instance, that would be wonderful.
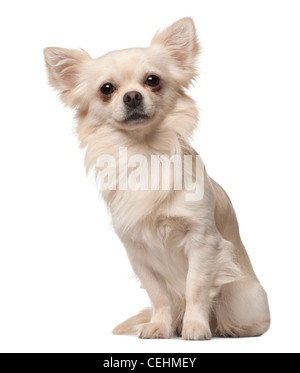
(65, 72)
(180, 42)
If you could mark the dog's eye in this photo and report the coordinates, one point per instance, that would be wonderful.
(107, 89)
(152, 81)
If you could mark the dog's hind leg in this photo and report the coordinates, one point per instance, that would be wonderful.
(241, 310)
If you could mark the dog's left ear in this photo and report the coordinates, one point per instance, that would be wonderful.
(180, 42)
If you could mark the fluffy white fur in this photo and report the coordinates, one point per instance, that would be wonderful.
(188, 255)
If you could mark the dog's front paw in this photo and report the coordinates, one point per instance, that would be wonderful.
(195, 330)
(154, 330)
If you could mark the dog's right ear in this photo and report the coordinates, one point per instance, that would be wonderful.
(65, 72)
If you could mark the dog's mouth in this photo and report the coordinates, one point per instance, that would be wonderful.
(136, 118)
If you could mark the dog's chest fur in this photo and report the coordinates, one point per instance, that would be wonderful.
(159, 242)
(152, 228)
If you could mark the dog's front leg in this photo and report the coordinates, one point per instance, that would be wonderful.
(198, 282)
(161, 325)
(161, 322)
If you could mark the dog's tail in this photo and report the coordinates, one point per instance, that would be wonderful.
(131, 325)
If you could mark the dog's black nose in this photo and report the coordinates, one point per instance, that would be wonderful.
(132, 99)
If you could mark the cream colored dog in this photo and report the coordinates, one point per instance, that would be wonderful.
(188, 255)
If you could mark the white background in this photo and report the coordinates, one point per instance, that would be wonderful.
(65, 280)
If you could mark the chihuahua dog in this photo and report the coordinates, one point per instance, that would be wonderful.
(187, 252)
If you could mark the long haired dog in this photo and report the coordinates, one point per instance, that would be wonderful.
(187, 252)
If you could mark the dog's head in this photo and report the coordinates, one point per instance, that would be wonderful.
(132, 88)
